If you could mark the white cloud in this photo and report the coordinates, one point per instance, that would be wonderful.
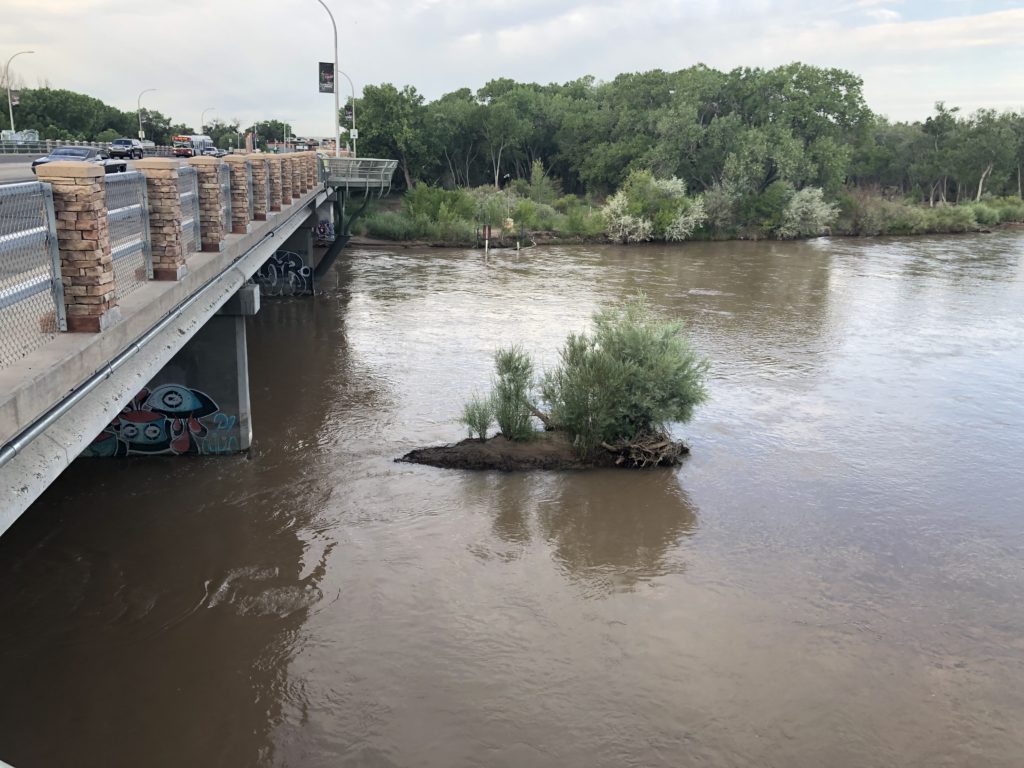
(255, 60)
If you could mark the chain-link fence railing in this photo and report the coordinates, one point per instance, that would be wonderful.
(188, 189)
(248, 184)
(31, 294)
(128, 215)
(224, 177)
(266, 183)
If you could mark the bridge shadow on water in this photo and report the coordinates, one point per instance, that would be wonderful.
(151, 606)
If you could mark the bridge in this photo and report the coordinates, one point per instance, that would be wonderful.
(123, 300)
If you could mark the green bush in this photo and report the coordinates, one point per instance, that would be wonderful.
(511, 393)
(986, 215)
(631, 376)
(389, 225)
(765, 211)
(1009, 208)
(439, 204)
(478, 416)
(806, 215)
(582, 222)
(951, 218)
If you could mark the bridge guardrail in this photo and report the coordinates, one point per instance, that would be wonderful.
(31, 294)
(248, 184)
(128, 216)
(46, 147)
(188, 189)
(358, 172)
(224, 177)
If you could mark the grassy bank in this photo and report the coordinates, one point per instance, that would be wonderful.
(649, 209)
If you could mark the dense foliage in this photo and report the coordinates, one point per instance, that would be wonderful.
(69, 116)
(735, 132)
(629, 377)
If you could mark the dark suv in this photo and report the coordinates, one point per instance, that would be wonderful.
(126, 148)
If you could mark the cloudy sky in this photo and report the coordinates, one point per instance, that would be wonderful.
(257, 59)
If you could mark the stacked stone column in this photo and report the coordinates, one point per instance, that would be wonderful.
(165, 233)
(83, 238)
(298, 177)
(260, 180)
(287, 193)
(311, 174)
(212, 227)
(239, 193)
(275, 182)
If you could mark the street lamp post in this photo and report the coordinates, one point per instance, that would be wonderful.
(353, 89)
(202, 119)
(7, 79)
(138, 108)
(337, 107)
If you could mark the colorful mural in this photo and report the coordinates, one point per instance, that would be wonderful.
(285, 274)
(171, 420)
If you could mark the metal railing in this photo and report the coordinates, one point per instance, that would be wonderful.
(266, 186)
(188, 189)
(358, 172)
(36, 148)
(128, 216)
(248, 184)
(31, 295)
(224, 177)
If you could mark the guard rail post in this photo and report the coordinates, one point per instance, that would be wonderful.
(83, 239)
(212, 227)
(165, 217)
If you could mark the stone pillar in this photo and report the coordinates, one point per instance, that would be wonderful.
(311, 168)
(165, 214)
(275, 182)
(239, 193)
(83, 238)
(212, 227)
(287, 192)
(259, 187)
(198, 404)
(297, 176)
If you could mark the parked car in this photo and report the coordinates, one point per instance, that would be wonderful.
(127, 148)
(219, 152)
(83, 154)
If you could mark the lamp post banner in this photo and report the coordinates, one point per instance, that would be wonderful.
(326, 77)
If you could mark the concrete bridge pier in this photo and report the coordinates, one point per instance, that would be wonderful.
(198, 403)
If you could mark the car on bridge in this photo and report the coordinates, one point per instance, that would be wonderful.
(130, 148)
(83, 154)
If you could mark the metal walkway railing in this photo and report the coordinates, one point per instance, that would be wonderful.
(359, 173)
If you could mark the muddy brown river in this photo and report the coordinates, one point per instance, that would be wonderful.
(835, 576)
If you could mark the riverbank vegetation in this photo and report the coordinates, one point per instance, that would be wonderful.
(788, 152)
(608, 401)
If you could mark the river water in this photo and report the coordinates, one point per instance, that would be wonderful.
(833, 578)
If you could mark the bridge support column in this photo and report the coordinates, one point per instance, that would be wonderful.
(198, 404)
(239, 165)
(83, 238)
(287, 193)
(212, 227)
(275, 182)
(289, 272)
(260, 191)
(165, 217)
